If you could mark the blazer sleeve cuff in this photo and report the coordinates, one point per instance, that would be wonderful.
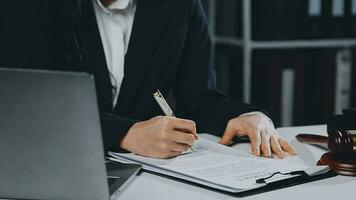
(114, 128)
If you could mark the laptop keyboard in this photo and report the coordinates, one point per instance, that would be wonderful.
(111, 181)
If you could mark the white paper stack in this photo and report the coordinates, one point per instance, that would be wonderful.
(214, 165)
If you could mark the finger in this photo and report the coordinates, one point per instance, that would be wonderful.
(255, 138)
(196, 136)
(157, 117)
(229, 133)
(276, 148)
(265, 144)
(183, 138)
(185, 125)
(178, 147)
(166, 149)
(169, 154)
(287, 146)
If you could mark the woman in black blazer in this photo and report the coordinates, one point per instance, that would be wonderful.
(170, 50)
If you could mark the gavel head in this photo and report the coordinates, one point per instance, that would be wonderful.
(342, 135)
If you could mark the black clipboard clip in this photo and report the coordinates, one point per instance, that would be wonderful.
(293, 178)
(299, 172)
(306, 174)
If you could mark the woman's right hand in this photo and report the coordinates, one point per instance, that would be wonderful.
(160, 137)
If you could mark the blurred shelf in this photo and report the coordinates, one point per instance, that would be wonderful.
(289, 44)
(247, 44)
(297, 44)
(228, 41)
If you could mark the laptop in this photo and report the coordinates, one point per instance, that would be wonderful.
(50, 139)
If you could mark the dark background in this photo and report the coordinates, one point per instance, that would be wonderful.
(314, 90)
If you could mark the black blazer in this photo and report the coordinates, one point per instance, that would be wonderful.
(169, 49)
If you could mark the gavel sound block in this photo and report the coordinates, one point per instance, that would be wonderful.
(341, 142)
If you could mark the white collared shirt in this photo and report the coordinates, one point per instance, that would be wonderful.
(115, 25)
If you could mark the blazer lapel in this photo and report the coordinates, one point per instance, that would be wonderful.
(91, 46)
(147, 30)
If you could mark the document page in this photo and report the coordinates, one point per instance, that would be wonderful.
(217, 164)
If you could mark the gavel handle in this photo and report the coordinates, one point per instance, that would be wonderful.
(312, 139)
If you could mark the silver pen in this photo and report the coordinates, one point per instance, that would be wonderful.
(165, 107)
(163, 104)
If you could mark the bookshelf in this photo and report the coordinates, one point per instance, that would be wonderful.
(288, 44)
(248, 45)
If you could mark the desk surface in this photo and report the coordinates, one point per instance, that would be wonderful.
(150, 186)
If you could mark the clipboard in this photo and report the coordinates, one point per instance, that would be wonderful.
(270, 186)
(276, 174)
(302, 178)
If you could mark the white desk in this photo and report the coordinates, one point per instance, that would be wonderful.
(149, 186)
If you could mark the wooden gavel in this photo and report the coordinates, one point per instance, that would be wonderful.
(341, 142)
